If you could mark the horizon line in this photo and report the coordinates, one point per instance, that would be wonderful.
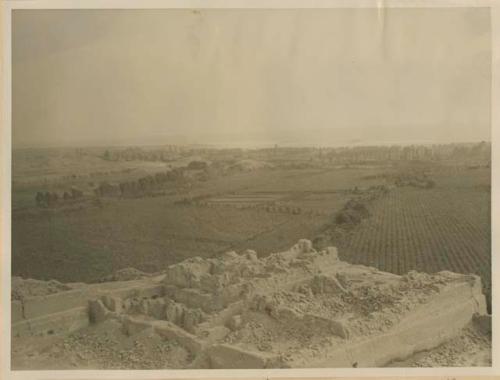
(249, 146)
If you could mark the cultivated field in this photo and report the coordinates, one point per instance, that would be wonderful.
(83, 240)
(147, 234)
(425, 215)
(444, 228)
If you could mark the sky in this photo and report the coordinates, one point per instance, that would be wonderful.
(250, 77)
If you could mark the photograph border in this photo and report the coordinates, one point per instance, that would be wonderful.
(5, 200)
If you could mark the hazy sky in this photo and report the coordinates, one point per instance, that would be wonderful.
(250, 76)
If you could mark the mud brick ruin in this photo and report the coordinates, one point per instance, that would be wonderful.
(299, 308)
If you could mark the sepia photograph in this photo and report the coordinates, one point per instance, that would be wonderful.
(250, 188)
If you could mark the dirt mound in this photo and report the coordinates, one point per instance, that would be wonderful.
(22, 288)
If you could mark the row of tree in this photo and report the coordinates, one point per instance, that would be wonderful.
(164, 154)
(140, 187)
(49, 199)
(467, 151)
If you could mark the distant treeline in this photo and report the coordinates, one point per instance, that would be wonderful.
(412, 179)
(144, 186)
(457, 152)
(49, 199)
(101, 173)
(141, 187)
(165, 154)
(477, 153)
